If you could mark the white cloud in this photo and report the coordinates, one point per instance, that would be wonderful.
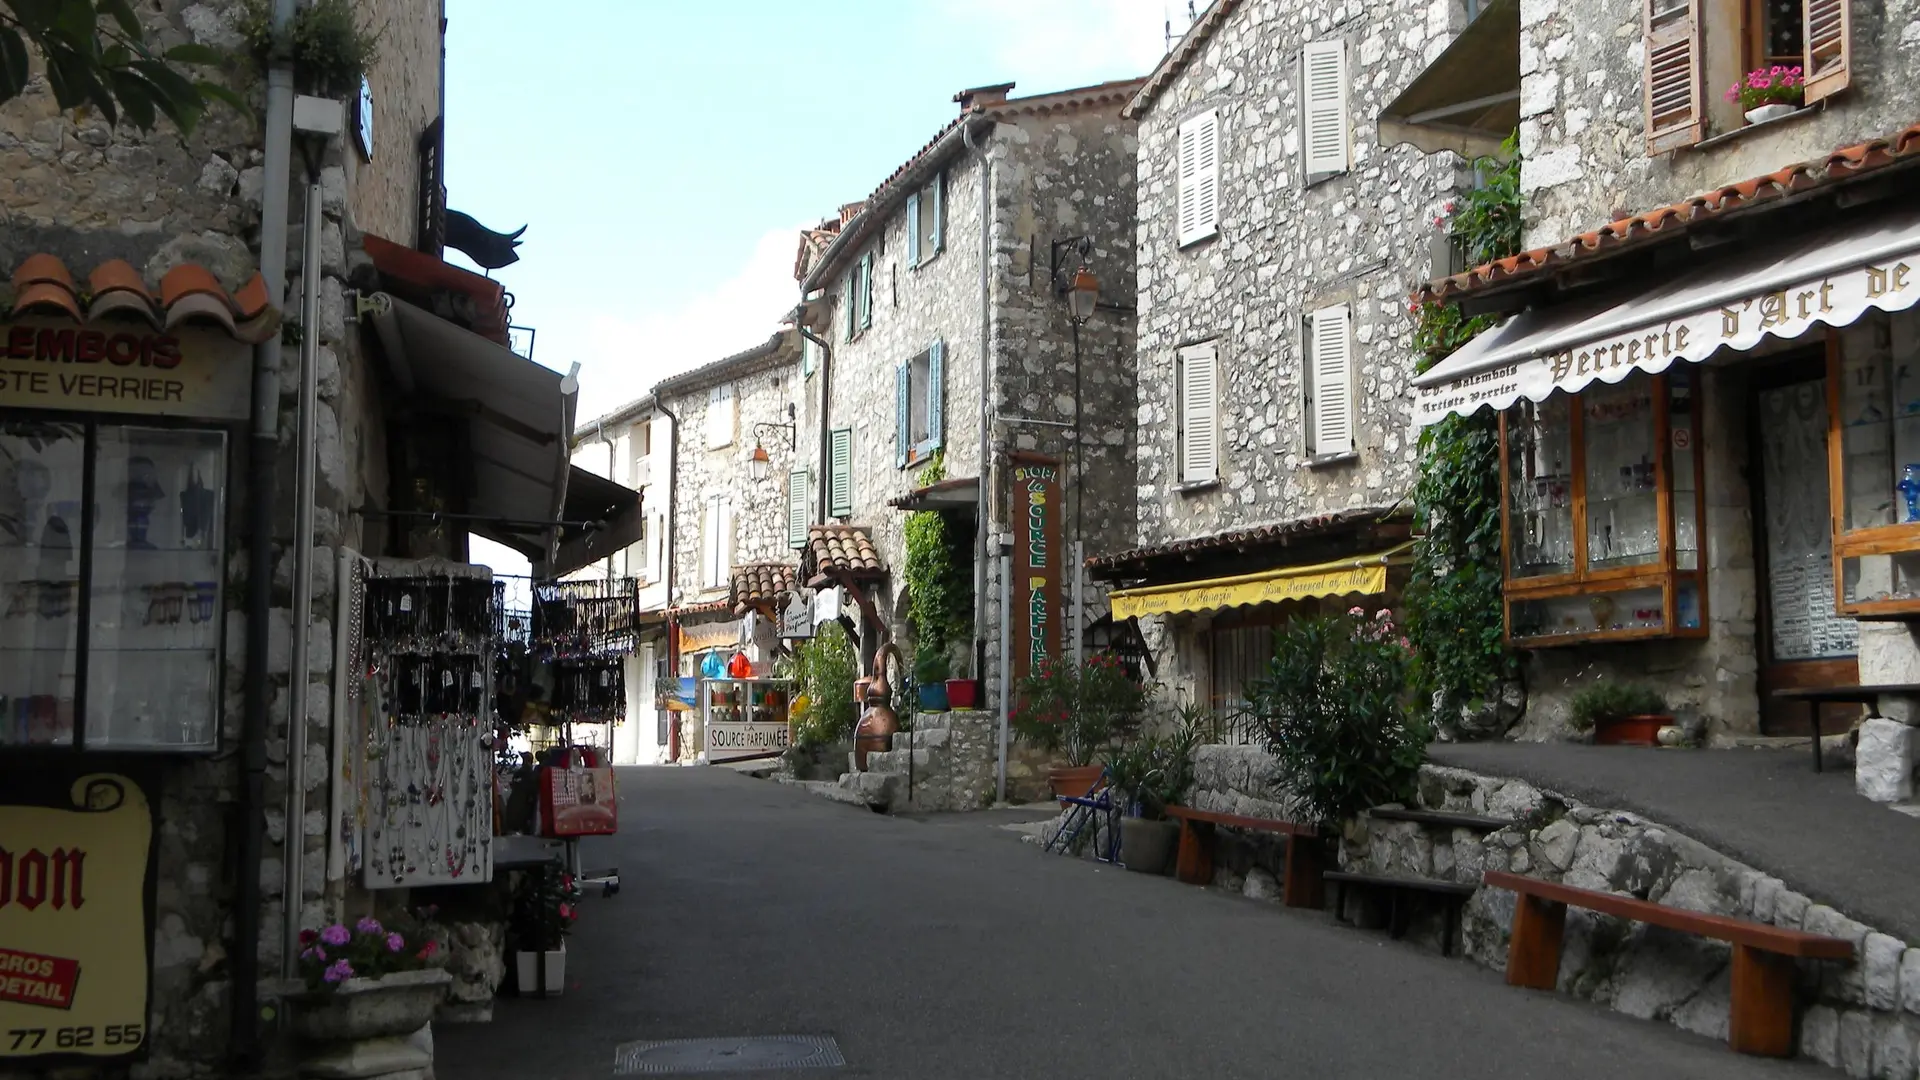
(1066, 43)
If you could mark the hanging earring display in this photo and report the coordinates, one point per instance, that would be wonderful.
(590, 691)
(573, 619)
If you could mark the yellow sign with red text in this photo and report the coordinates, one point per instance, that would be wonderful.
(192, 371)
(73, 926)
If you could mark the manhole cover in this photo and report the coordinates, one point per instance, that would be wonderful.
(744, 1054)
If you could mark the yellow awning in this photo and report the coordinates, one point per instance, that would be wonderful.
(1365, 575)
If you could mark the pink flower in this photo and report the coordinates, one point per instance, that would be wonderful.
(1357, 611)
(336, 935)
(313, 953)
(340, 971)
(1448, 208)
(429, 949)
(1383, 614)
(368, 925)
(395, 943)
(566, 911)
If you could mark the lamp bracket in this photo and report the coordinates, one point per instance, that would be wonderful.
(1057, 267)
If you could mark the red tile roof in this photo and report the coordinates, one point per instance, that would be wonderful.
(189, 293)
(415, 275)
(1837, 167)
(708, 607)
(841, 552)
(760, 585)
(1281, 533)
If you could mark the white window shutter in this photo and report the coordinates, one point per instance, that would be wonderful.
(1323, 119)
(938, 192)
(913, 229)
(709, 536)
(797, 508)
(1332, 413)
(1199, 176)
(1199, 414)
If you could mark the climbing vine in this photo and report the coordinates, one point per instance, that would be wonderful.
(1453, 605)
(939, 592)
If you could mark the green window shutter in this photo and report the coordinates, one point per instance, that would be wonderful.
(939, 213)
(853, 298)
(903, 412)
(913, 229)
(840, 475)
(936, 396)
(797, 508)
(866, 290)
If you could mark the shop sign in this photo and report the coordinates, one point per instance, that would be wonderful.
(190, 371)
(1033, 511)
(728, 740)
(73, 917)
(826, 605)
(796, 619)
(699, 637)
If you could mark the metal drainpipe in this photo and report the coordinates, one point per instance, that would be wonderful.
(243, 1042)
(826, 418)
(981, 499)
(293, 842)
(673, 512)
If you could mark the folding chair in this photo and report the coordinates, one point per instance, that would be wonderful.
(1088, 811)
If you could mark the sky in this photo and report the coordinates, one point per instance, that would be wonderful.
(664, 155)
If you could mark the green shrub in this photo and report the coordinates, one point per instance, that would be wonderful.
(1077, 712)
(1336, 710)
(827, 666)
(1604, 702)
(1154, 772)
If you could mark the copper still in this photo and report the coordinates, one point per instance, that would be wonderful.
(874, 733)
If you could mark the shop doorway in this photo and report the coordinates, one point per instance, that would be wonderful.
(1801, 641)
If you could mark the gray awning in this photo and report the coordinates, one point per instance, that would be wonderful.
(519, 414)
(1468, 99)
(602, 517)
(962, 493)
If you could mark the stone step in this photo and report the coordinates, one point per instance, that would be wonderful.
(923, 738)
(895, 761)
(827, 789)
(873, 789)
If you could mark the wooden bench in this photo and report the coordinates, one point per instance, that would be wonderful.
(1444, 818)
(1194, 864)
(1843, 695)
(1453, 894)
(1761, 1020)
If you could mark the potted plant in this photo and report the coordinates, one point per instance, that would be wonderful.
(1148, 775)
(1076, 712)
(963, 693)
(1769, 93)
(544, 907)
(1619, 713)
(930, 671)
(367, 981)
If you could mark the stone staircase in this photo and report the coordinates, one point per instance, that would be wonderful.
(951, 756)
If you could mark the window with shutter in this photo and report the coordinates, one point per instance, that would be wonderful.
(721, 416)
(1199, 422)
(866, 290)
(852, 301)
(797, 508)
(1330, 381)
(903, 413)
(725, 545)
(709, 543)
(840, 472)
(808, 356)
(1199, 177)
(1675, 101)
(1323, 113)
(936, 393)
(1829, 34)
(913, 229)
(937, 194)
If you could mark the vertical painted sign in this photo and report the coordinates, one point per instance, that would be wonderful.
(1033, 514)
(74, 857)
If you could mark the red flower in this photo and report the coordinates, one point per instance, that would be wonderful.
(308, 937)
(429, 950)
(566, 911)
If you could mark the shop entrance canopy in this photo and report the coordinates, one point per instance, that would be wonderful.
(1365, 575)
(1831, 277)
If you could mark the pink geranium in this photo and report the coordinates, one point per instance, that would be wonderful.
(1778, 85)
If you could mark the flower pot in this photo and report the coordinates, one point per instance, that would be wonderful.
(397, 1004)
(963, 693)
(1774, 111)
(1074, 780)
(1147, 846)
(527, 967)
(1630, 731)
(933, 697)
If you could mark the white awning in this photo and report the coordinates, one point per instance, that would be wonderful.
(1830, 277)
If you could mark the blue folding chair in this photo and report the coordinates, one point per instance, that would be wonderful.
(1090, 811)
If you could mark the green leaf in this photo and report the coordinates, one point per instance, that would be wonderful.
(226, 95)
(14, 67)
(135, 95)
(196, 54)
(122, 13)
(76, 20)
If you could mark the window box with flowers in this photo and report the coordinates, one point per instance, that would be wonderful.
(1769, 93)
(367, 981)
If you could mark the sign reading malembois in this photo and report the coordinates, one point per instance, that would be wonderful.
(124, 367)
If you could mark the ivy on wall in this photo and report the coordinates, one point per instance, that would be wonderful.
(939, 589)
(1454, 602)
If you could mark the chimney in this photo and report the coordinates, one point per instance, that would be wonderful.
(985, 97)
(849, 210)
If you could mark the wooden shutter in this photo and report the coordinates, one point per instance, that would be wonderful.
(913, 229)
(853, 301)
(840, 472)
(1829, 29)
(1332, 411)
(1675, 103)
(936, 395)
(903, 412)
(1199, 415)
(797, 508)
(939, 194)
(1199, 179)
(1323, 114)
(726, 543)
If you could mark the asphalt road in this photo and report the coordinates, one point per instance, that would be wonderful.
(945, 948)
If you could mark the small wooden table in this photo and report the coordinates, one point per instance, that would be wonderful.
(1820, 695)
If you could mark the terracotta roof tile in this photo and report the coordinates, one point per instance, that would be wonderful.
(760, 585)
(42, 285)
(706, 607)
(841, 552)
(1280, 532)
(1839, 166)
(417, 277)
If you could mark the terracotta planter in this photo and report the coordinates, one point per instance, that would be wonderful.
(1073, 780)
(1146, 846)
(1630, 731)
(963, 693)
(392, 1005)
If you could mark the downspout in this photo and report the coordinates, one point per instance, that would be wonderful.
(263, 451)
(982, 500)
(600, 431)
(826, 419)
(293, 840)
(666, 541)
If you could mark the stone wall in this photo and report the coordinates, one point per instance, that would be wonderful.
(405, 78)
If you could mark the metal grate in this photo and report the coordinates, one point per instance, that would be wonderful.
(750, 1053)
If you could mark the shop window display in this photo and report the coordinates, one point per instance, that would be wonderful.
(1874, 399)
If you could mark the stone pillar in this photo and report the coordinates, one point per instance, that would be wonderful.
(1883, 762)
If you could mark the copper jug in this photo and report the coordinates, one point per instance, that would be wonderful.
(874, 733)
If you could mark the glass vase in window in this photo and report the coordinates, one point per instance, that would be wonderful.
(42, 468)
(1540, 488)
(1622, 481)
(1879, 405)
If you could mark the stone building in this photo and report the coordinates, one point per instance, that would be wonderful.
(938, 327)
(142, 249)
(1277, 240)
(1706, 437)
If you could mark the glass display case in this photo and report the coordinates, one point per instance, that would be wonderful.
(1874, 409)
(111, 626)
(743, 718)
(1601, 512)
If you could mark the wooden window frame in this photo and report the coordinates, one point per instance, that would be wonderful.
(1662, 574)
(1898, 538)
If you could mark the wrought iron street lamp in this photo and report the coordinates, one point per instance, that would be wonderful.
(760, 464)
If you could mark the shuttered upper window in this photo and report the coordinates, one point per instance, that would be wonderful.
(920, 384)
(716, 543)
(926, 220)
(722, 416)
(1198, 379)
(840, 473)
(797, 508)
(1329, 381)
(1681, 35)
(1199, 179)
(1324, 139)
